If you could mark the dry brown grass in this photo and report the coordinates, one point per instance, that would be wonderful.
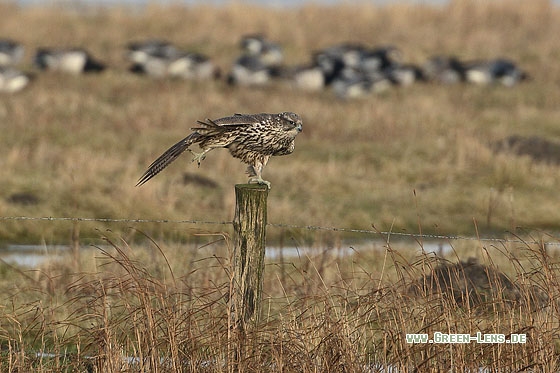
(79, 143)
(410, 158)
(164, 309)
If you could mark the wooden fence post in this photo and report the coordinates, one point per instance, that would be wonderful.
(249, 225)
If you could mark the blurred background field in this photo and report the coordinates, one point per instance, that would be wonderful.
(415, 159)
(411, 155)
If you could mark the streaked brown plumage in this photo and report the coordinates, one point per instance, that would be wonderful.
(253, 138)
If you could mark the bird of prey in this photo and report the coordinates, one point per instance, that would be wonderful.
(253, 138)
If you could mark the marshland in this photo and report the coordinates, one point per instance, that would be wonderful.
(417, 160)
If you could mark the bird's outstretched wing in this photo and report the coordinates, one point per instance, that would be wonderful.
(166, 158)
(211, 127)
(207, 129)
(226, 124)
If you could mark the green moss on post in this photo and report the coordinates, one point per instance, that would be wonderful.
(249, 224)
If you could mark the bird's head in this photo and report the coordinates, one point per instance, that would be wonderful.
(292, 121)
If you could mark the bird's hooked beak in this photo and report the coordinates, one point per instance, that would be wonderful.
(299, 127)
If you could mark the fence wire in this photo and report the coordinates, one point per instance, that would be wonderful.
(387, 234)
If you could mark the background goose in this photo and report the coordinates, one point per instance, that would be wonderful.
(139, 51)
(193, 66)
(345, 54)
(354, 83)
(268, 52)
(404, 75)
(249, 71)
(74, 61)
(260, 62)
(12, 80)
(150, 57)
(11, 52)
(380, 58)
(308, 78)
(494, 71)
(508, 73)
(158, 58)
(443, 69)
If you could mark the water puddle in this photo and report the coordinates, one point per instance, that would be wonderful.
(33, 256)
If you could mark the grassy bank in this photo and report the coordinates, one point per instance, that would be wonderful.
(412, 155)
(164, 309)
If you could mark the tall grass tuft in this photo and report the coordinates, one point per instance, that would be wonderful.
(165, 309)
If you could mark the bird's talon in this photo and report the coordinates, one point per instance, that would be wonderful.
(198, 157)
(258, 180)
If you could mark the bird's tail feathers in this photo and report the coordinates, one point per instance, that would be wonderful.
(167, 157)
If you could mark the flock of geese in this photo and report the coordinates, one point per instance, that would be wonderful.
(349, 70)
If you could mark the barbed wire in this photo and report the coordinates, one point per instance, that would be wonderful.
(111, 220)
(416, 235)
(388, 234)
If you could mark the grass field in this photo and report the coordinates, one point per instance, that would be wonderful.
(164, 309)
(420, 153)
(410, 159)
